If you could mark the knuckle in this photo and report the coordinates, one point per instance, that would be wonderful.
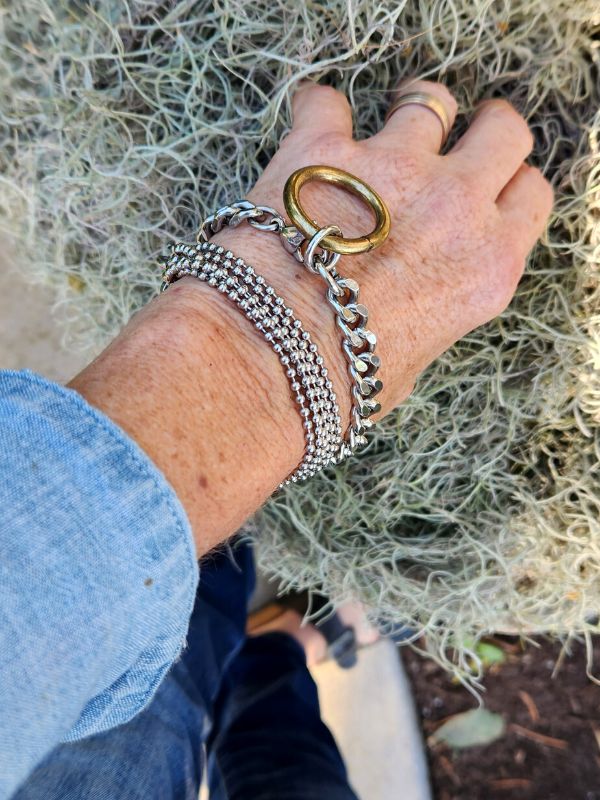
(511, 265)
(313, 96)
(504, 279)
(315, 143)
(498, 106)
(330, 145)
(507, 115)
(325, 94)
(544, 186)
(523, 131)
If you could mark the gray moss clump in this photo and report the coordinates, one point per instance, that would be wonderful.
(476, 507)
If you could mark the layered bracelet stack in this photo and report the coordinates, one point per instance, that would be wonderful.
(309, 381)
(319, 249)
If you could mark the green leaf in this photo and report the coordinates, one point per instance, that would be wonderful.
(490, 654)
(470, 729)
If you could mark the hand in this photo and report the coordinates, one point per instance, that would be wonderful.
(196, 385)
(462, 225)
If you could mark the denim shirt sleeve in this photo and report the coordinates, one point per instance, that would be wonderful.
(97, 573)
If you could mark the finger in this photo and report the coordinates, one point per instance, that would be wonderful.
(494, 146)
(321, 109)
(417, 125)
(525, 204)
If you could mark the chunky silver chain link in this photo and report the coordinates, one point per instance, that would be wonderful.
(358, 342)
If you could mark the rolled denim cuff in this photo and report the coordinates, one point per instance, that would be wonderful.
(98, 571)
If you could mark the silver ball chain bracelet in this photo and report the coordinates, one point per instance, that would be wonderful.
(319, 249)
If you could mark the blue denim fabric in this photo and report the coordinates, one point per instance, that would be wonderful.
(251, 701)
(97, 573)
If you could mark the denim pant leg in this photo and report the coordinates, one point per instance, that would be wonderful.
(251, 700)
(158, 754)
(268, 741)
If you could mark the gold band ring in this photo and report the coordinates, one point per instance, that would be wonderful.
(349, 182)
(426, 100)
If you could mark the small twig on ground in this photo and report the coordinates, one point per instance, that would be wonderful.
(511, 783)
(446, 765)
(532, 709)
(549, 741)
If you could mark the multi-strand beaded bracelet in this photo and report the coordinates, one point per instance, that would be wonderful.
(319, 250)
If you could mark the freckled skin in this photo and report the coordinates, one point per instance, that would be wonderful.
(198, 387)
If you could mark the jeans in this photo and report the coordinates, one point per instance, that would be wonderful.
(249, 700)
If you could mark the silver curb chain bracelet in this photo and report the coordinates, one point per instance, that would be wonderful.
(319, 249)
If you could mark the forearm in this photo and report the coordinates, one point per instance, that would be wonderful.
(202, 392)
(97, 578)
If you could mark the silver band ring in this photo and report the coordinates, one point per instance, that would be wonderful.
(426, 100)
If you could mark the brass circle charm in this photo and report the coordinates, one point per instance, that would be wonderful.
(337, 244)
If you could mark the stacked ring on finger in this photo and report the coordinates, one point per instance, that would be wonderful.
(426, 100)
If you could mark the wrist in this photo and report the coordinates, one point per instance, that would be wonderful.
(206, 399)
(302, 291)
(380, 290)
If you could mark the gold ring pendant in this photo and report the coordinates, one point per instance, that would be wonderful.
(349, 182)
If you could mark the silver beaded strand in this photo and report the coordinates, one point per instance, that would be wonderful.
(311, 387)
(309, 381)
